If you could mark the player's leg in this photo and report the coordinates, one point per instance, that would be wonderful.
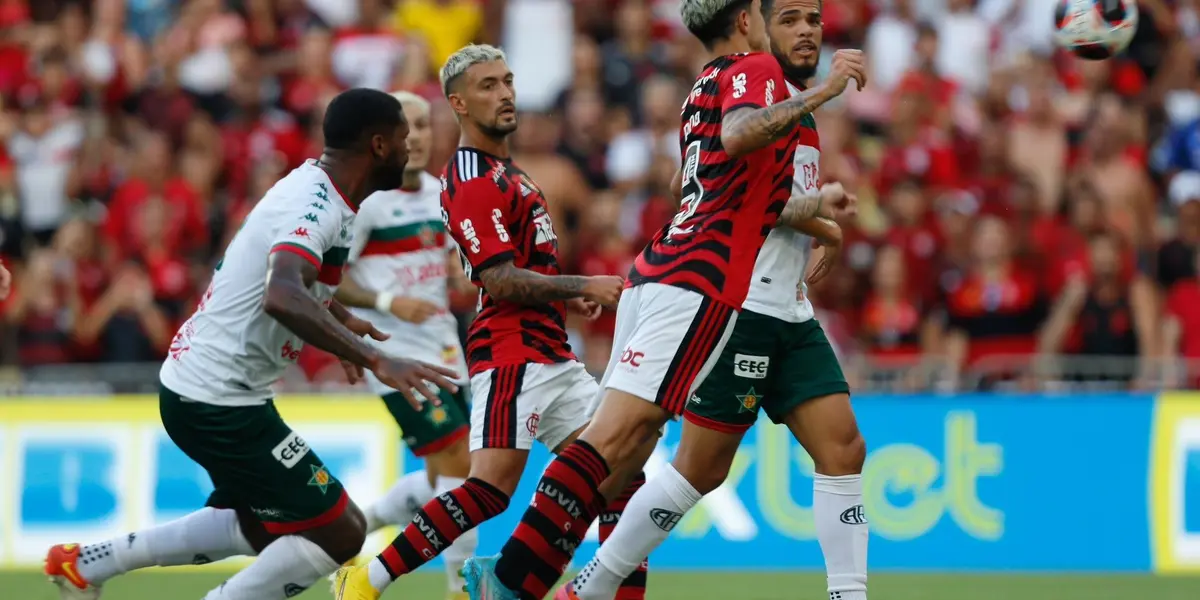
(499, 443)
(815, 406)
(723, 408)
(673, 339)
(281, 480)
(212, 533)
(437, 434)
(527, 556)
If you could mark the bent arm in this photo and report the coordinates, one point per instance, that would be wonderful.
(510, 283)
(287, 300)
(748, 129)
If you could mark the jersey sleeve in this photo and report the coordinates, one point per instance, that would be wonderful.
(311, 230)
(476, 216)
(753, 82)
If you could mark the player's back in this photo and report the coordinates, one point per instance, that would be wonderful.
(230, 351)
(496, 214)
(729, 204)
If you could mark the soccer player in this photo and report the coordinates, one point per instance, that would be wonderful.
(778, 359)
(685, 289)
(526, 383)
(272, 292)
(402, 265)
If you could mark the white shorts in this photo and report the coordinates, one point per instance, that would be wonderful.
(666, 341)
(512, 406)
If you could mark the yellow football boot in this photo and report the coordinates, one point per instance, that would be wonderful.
(352, 583)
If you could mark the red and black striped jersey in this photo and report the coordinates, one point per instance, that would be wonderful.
(496, 214)
(729, 204)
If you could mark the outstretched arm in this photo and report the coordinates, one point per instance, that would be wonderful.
(287, 300)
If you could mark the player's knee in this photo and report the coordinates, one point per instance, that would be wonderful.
(343, 538)
(621, 426)
(454, 461)
(842, 455)
(500, 468)
(253, 530)
(704, 478)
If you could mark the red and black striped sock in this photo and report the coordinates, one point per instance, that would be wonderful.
(567, 500)
(440, 522)
(634, 586)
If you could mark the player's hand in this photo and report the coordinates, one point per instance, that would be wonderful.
(413, 310)
(604, 290)
(829, 258)
(5, 282)
(412, 378)
(835, 201)
(364, 328)
(847, 65)
(354, 373)
(586, 308)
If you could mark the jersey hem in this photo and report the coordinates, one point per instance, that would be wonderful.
(483, 367)
(196, 394)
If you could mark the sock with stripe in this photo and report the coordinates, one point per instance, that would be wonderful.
(285, 568)
(435, 527)
(400, 504)
(462, 548)
(647, 521)
(207, 535)
(566, 502)
(842, 534)
(634, 586)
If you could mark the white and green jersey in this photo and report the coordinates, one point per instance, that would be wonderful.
(230, 351)
(777, 288)
(401, 247)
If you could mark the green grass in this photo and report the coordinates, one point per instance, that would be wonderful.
(700, 586)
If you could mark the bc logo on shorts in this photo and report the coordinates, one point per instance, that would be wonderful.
(290, 450)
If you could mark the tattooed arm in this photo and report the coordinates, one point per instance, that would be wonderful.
(287, 300)
(510, 283)
(748, 129)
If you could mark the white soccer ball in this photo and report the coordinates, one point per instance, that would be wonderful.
(1095, 29)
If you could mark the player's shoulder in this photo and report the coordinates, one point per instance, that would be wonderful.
(763, 62)
(472, 171)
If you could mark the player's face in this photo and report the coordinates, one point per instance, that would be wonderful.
(389, 156)
(489, 99)
(795, 32)
(420, 136)
(756, 27)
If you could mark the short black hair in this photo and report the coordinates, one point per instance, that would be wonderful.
(355, 115)
(722, 25)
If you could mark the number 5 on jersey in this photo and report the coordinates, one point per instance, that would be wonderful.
(693, 191)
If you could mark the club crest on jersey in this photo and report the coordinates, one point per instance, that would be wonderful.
(543, 227)
(428, 236)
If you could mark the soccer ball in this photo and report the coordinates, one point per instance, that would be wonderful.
(1095, 29)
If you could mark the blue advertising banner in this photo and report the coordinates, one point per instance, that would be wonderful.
(976, 482)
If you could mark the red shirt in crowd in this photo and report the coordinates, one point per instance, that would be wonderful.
(1000, 318)
(185, 228)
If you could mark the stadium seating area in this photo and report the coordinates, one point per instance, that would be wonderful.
(1015, 202)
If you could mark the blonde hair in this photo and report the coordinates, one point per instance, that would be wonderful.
(407, 98)
(467, 57)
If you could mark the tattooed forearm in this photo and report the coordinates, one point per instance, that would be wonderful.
(801, 208)
(513, 284)
(744, 131)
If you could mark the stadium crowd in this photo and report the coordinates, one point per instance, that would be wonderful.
(1014, 201)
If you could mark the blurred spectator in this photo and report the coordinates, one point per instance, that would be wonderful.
(630, 153)
(995, 309)
(1177, 257)
(43, 310)
(1109, 312)
(893, 321)
(444, 25)
(44, 149)
(125, 321)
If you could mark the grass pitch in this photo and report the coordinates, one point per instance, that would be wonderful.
(184, 585)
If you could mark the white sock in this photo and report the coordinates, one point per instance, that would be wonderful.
(842, 533)
(401, 503)
(207, 535)
(462, 548)
(648, 518)
(285, 568)
(378, 575)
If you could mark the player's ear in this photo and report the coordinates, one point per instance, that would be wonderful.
(457, 103)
